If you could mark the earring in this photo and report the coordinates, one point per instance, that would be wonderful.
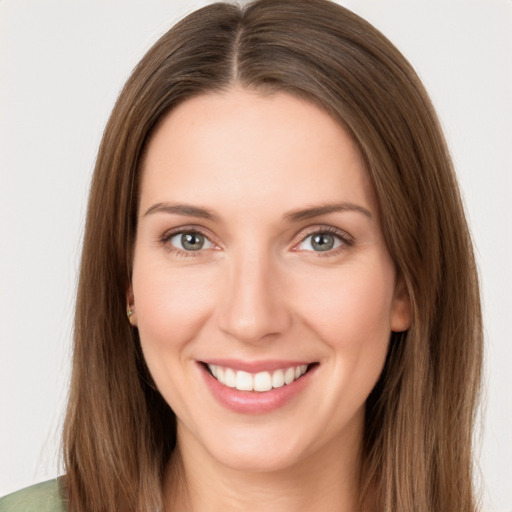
(129, 312)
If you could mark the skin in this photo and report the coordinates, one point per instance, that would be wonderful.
(259, 290)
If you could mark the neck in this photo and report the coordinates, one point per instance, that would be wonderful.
(325, 481)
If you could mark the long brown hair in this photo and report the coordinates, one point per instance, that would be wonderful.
(119, 433)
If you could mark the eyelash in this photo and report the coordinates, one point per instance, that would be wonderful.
(166, 238)
(346, 241)
(344, 238)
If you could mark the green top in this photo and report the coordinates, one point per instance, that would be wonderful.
(44, 497)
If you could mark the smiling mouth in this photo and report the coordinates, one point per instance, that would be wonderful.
(259, 382)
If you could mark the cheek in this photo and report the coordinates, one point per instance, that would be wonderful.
(171, 304)
(351, 315)
(171, 307)
(351, 309)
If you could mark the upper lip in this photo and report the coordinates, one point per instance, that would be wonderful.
(256, 366)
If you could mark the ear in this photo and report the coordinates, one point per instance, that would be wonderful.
(401, 308)
(130, 307)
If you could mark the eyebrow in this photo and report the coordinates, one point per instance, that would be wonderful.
(182, 209)
(316, 211)
(292, 216)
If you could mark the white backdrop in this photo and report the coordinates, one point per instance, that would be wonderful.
(62, 64)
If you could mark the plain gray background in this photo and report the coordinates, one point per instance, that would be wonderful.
(62, 64)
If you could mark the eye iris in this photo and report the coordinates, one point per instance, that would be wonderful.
(322, 242)
(192, 241)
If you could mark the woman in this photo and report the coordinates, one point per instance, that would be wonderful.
(278, 302)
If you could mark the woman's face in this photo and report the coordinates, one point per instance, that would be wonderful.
(259, 258)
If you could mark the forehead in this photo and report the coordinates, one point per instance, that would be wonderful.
(240, 144)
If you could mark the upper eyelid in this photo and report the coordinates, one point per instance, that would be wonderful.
(186, 229)
(165, 238)
(311, 230)
(302, 235)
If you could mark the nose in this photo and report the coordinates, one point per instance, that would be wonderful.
(253, 304)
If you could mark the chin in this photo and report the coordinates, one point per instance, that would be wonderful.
(258, 458)
(260, 448)
(283, 448)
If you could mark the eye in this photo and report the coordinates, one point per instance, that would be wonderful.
(322, 241)
(190, 241)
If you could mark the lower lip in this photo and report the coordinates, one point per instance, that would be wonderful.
(254, 402)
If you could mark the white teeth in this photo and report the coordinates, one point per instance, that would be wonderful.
(230, 378)
(244, 381)
(260, 382)
(289, 375)
(278, 379)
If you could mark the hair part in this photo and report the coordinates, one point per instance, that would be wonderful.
(119, 433)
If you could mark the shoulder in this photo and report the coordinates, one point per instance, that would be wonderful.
(43, 497)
